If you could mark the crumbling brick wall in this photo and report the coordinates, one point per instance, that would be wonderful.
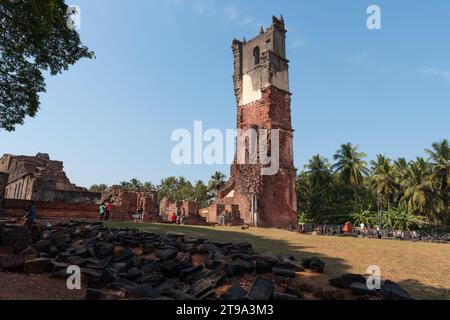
(261, 83)
(190, 208)
(61, 210)
(129, 201)
(3, 182)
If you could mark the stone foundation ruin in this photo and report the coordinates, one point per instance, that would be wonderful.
(40, 179)
(27, 179)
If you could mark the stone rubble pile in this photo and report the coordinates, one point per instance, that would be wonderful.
(131, 264)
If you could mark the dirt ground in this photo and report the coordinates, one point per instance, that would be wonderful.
(20, 286)
(16, 286)
(35, 287)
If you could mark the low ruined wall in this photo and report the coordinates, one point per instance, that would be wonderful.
(61, 210)
(72, 196)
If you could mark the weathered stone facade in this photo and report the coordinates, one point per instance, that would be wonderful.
(40, 179)
(261, 82)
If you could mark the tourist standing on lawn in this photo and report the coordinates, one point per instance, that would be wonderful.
(182, 215)
(173, 218)
(177, 215)
(138, 215)
(107, 210)
(102, 211)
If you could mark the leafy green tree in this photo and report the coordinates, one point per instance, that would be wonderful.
(184, 190)
(176, 189)
(367, 217)
(201, 194)
(401, 219)
(405, 220)
(167, 187)
(388, 219)
(34, 37)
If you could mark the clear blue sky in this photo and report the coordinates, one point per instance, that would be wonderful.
(163, 64)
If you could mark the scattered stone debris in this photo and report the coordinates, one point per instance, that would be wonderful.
(317, 265)
(346, 280)
(358, 286)
(136, 265)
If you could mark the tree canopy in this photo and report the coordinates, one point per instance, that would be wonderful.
(34, 37)
(399, 192)
(175, 188)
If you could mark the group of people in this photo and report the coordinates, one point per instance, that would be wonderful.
(139, 215)
(348, 229)
(222, 218)
(177, 217)
(105, 211)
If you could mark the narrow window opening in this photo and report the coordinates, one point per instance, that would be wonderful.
(256, 55)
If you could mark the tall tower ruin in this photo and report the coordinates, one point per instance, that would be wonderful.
(261, 84)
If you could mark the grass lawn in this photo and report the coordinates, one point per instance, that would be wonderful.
(421, 268)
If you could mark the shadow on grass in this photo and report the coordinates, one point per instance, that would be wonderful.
(423, 291)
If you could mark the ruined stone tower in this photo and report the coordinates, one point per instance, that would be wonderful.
(261, 83)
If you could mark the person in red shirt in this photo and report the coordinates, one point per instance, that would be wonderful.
(173, 218)
(107, 210)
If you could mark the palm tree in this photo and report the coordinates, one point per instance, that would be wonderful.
(384, 179)
(418, 194)
(148, 186)
(401, 165)
(350, 167)
(440, 158)
(135, 184)
(217, 182)
(319, 173)
(126, 185)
